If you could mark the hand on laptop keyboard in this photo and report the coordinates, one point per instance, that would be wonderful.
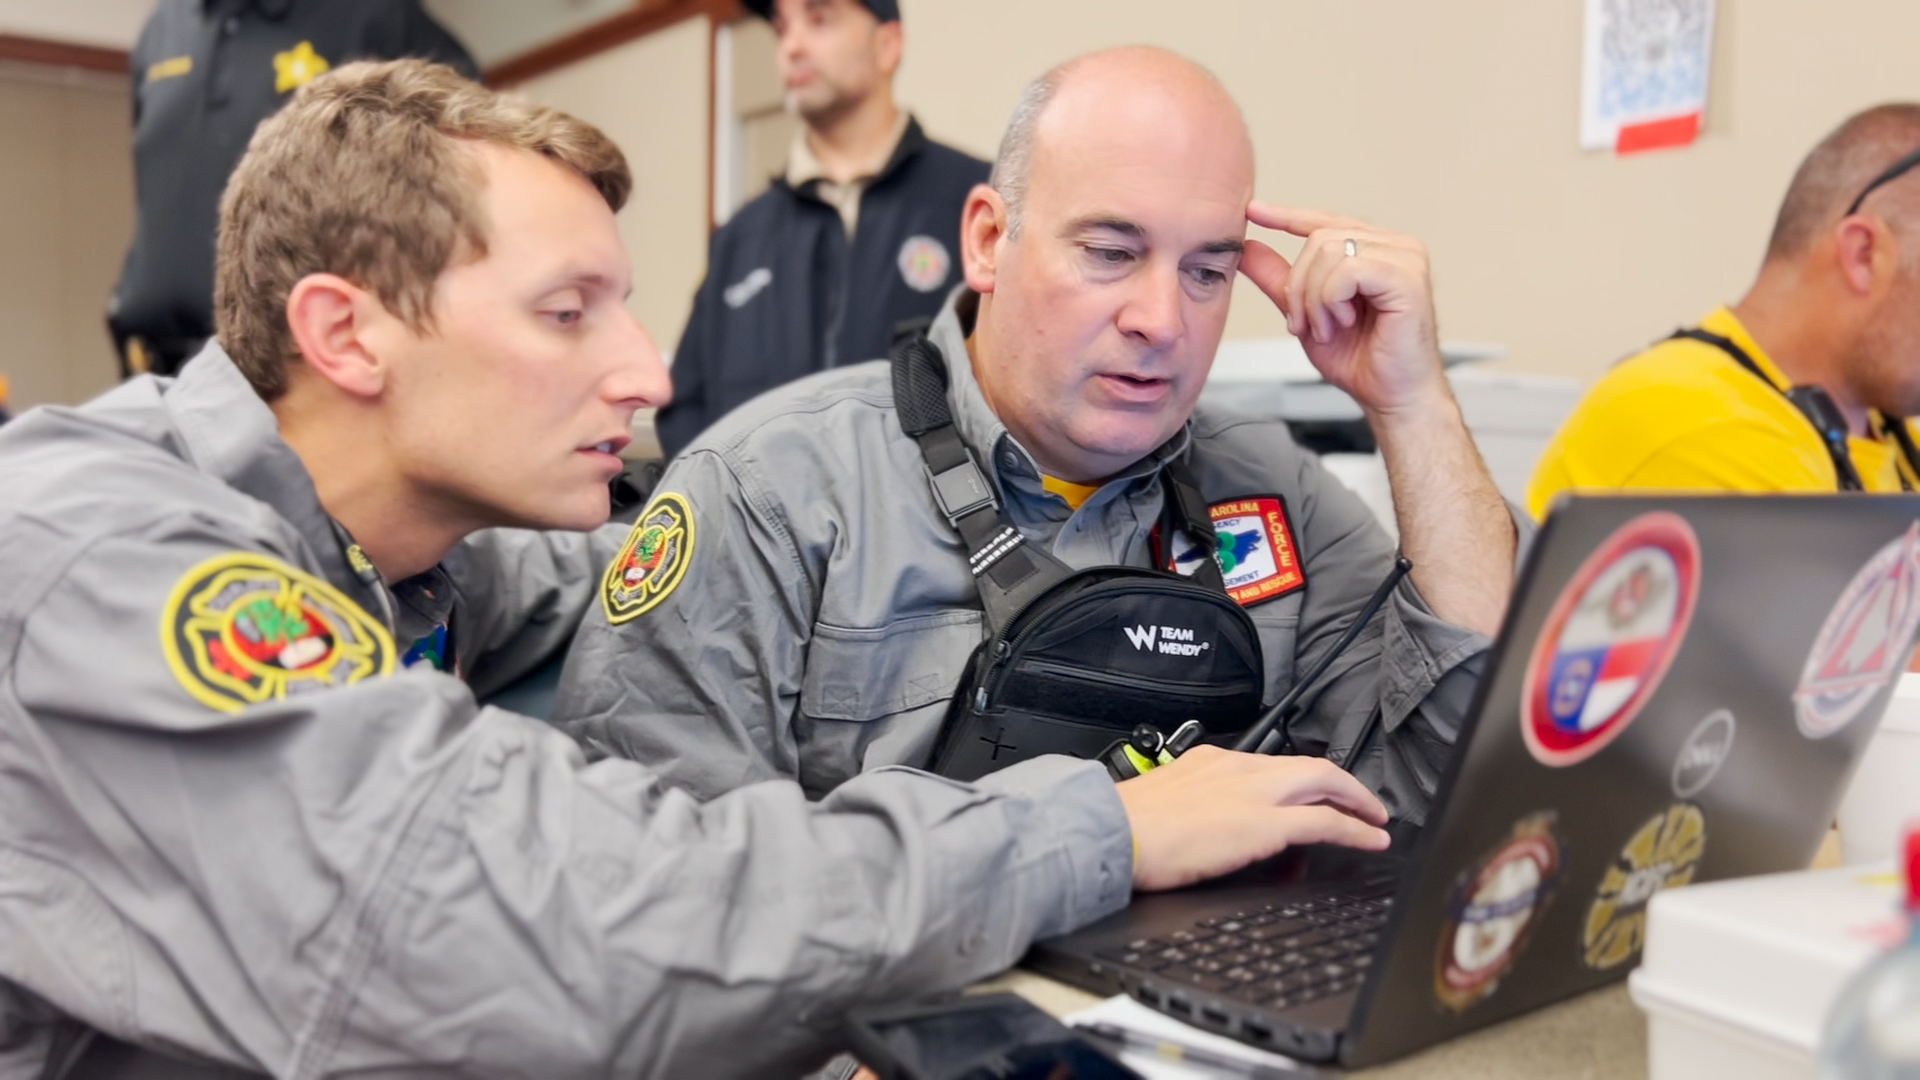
(1213, 811)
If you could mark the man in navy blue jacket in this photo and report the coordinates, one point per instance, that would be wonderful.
(859, 235)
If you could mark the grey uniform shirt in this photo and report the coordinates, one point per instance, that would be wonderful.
(379, 876)
(825, 610)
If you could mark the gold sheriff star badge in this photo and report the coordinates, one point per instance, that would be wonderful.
(297, 67)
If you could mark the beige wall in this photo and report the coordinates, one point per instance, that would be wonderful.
(66, 215)
(651, 96)
(1458, 122)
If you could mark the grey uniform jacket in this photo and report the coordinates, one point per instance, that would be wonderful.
(825, 610)
(380, 877)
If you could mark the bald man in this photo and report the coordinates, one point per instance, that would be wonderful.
(796, 602)
(1802, 385)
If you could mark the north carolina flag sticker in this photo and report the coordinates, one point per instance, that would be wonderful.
(1256, 553)
(1609, 639)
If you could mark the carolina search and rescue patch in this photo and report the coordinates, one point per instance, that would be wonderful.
(1256, 553)
(1609, 639)
(1865, 641)
(652, 561)
(1493, 907)
(244, 628)
(1663, 854)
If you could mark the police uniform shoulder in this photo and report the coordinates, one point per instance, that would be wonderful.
(845, 406)
(950, 161)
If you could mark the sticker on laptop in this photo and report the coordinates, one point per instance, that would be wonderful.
(1663, 854)
(1865, 641)
(1701, 756)
(1609, 639)
(1493, 907)
(1257, 556)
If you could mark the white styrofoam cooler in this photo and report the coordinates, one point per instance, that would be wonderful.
(1882, 799)
(1738, 975)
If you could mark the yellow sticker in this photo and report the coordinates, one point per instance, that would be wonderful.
(1663, 854)
(244, 628)
(651, 562)
(170, 68)
(297, 67)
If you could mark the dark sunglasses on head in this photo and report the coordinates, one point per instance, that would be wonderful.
(1893, 172)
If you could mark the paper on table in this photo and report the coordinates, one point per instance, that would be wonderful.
(1128, 1013)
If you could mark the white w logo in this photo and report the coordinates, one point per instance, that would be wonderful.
(1142, 636)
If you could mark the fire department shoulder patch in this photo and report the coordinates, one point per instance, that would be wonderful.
(244, 628)
(651, 562)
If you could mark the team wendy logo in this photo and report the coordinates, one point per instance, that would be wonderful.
(1493, 907)
(1609, 638)
(651, 562)
(244, 628)
(1865, 640)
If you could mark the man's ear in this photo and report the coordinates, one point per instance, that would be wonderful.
(1865, 252)
(331, 318)
(983, 225)
(889, 43)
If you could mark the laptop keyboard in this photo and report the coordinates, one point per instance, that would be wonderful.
(1276, 956)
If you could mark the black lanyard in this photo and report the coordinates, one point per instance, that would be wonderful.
(1827, 420)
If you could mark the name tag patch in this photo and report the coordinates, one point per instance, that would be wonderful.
(1257, 555)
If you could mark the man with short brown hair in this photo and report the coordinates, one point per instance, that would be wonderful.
(255, 819)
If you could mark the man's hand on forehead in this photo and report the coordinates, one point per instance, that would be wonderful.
(1359, 298)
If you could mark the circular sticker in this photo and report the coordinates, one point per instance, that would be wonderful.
(1703, 753)
(1609, 638)
(1490, 911)
(1663, 854)
(652, 561)
(244, 628)
(924, 263)
(1864, 642)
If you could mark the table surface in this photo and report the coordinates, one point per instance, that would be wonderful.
(1597, 1036)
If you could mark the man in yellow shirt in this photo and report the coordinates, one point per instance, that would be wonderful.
(1801, 386)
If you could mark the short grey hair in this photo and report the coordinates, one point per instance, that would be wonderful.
(1835, 171)
(1013, 165)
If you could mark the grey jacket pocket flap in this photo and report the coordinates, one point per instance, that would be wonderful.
(866, 674)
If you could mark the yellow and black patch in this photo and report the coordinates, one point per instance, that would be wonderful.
(244, 628)
(171, 68)
(1663, 854)
(652, 561)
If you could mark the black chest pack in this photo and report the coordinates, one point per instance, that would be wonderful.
(1075, 660)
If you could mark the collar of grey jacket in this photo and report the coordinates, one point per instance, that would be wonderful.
(231, 434)
(1010, 463)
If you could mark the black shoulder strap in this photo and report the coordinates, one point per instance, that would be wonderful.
(1813, 403)
(1009, 572)
(1186, 510)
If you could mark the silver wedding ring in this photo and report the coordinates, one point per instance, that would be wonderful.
(1353, 247)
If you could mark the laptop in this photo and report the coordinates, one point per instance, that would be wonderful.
(1679, 693)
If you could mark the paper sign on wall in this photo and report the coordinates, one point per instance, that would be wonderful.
(1644, 80)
